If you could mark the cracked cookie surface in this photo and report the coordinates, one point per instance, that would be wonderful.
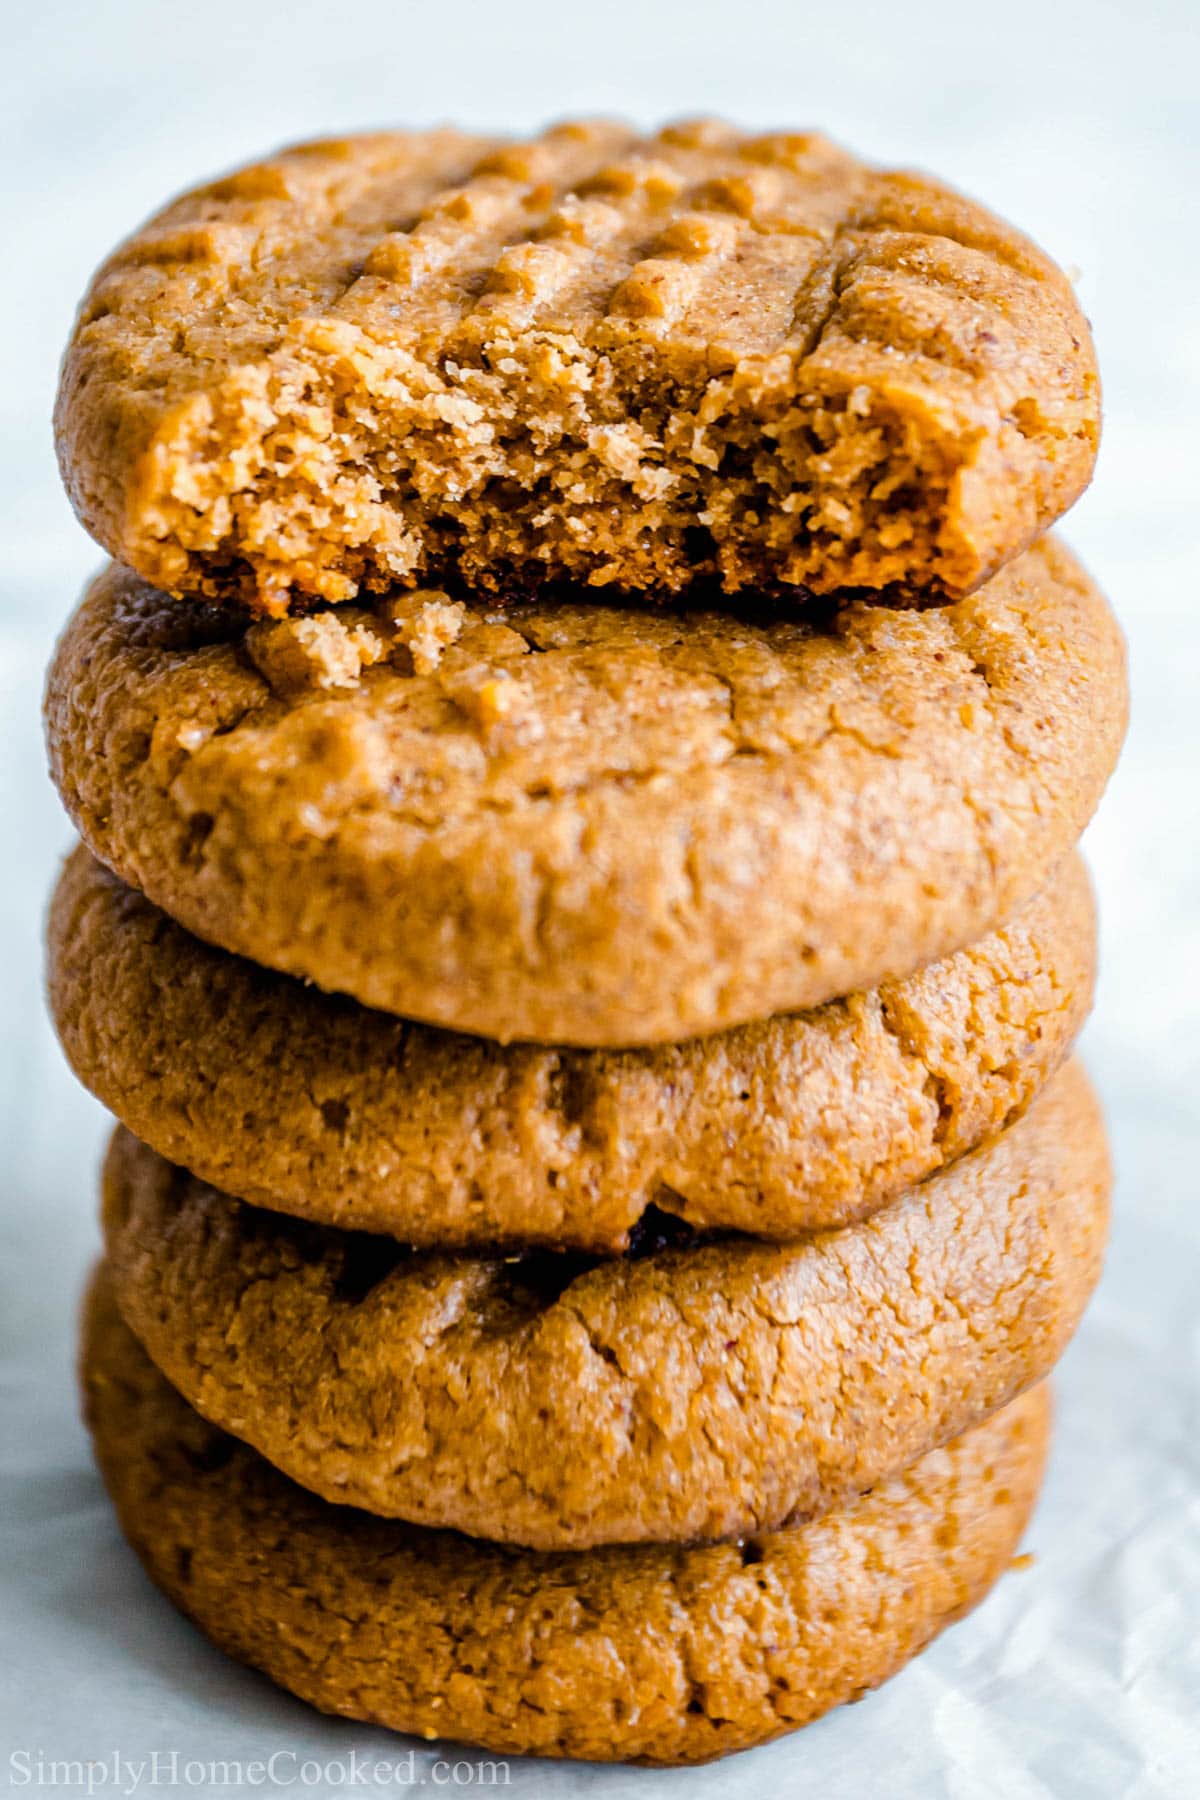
(686, 1390)
(705, 355)
(653, 1654)
(314, 1105)
(586, 824)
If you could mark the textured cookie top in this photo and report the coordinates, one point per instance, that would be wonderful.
(582, 823)
(650, 1654)
(685, 1390)
(312, 1104)
(704, 354)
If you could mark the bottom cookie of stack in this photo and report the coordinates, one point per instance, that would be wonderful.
(659, 1654)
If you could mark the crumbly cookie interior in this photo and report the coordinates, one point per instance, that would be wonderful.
(640, 363)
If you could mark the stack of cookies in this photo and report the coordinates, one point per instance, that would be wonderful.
(579, 759)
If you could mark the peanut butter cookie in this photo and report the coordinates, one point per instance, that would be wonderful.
(305, 1102)
(631, 361)
(686, 1390)
(586, 824)
(648, 1654)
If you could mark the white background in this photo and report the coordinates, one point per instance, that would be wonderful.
(1081, 1677)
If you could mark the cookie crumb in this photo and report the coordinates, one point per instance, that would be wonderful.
(500, 705)
(1024, 1561)
(190, 735)
(320, 650)
(426, 623)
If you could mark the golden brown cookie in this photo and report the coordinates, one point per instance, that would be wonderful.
(648, 1654)
(608, 358)
(312, 1104)
(586, 824)
(684, 1391)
